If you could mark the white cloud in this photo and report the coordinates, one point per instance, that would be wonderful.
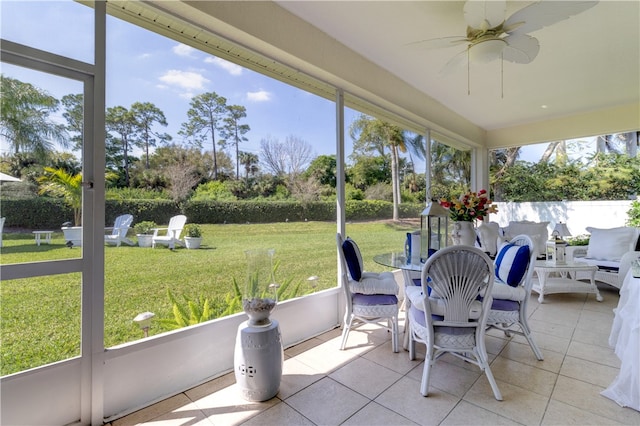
(230, 67)
(183, 50)
(184, 79)
(259, 96)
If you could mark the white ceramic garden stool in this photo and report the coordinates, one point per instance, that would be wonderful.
(258, 359)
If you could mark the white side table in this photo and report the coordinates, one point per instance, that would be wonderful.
(40, 234)
(561, 279)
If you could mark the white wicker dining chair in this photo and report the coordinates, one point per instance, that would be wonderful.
(512, 289)
(370, 298)
(447, 313)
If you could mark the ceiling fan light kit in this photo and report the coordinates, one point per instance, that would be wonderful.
(490, 35)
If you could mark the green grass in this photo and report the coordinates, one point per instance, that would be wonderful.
(40, 316)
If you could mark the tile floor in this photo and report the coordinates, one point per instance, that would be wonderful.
(367, 384)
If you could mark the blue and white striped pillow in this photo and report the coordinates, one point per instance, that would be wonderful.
(511, 263)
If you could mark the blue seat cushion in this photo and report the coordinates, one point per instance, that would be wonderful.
(511, 263)
(353, 257)
(504, 305)
(374, 299)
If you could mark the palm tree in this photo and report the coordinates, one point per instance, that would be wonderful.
(250, 162)
(372, 134)
(24, 118)
(62, 184)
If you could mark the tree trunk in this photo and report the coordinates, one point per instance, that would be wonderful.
(549, 151)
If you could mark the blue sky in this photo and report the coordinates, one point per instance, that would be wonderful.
(145, 67)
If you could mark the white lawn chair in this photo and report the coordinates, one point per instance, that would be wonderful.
(170, 236)
(119, 231)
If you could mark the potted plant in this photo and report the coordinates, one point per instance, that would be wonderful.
(144, 232)
(192, 236)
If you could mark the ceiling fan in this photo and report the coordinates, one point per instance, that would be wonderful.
(490, 35)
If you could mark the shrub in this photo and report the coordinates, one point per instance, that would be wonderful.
(145, 227)
(192, 230)
(634, 214)
(214, 190)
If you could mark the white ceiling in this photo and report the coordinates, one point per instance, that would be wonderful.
(588, 62)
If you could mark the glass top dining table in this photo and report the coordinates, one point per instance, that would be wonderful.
(397, 260)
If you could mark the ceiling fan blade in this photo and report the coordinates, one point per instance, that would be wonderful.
(544, 13)
(454, 64)
(438, 43)
(521, 48)
(483, 15)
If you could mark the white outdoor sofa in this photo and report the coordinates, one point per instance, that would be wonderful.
(611, 250)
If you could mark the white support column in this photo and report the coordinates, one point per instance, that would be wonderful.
(427, 162)
(340, 162)
(93, 222)
(479, 169)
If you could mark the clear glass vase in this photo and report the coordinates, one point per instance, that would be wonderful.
(260, 293)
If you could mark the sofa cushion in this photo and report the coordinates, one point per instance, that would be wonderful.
(511, 263)
(488, 234)
(611, 244)
(537, 231)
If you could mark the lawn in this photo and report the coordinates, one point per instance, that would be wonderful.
(40, 317)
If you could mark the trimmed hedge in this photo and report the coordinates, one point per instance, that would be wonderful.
(50, 213)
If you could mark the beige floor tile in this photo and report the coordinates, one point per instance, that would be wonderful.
(331, 334)
(375, 414)
(523, 353)
(280, 414)
(495, 344)
(518, 404)
(153, 411)
(327, 402)
(295, 377)
(303, 346)
(586, 397)
(404, 397)
(211, 386)
(226, 406)
(327, 356)
(531, 378)
(448, 377)
(546, 342)
(448, 358)
(180, 417)
(592, 337)
(587, 371)
(559, 413)
(596, 325)
(398, 362)
(557, 330)
(366, 377)
(566, 317)
(465, 414)
(593, 353)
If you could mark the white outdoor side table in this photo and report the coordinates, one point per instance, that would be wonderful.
(561, 279)
(40, 234)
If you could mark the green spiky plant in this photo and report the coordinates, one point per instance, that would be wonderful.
(190, 312)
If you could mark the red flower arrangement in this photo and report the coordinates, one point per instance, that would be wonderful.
(470, 206)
